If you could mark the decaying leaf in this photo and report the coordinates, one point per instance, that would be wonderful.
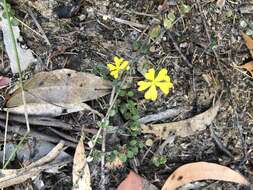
(249, 42)
(4, 81)
(185, 127)
(135, 182)
(81, 171)
(202, 171)
(58, 92)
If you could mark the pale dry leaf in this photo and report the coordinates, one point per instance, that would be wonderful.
(81, 171)
(249, 42)
(248, 66)
(185, 127)
(46, 109)
(62, 89)
(220, 3)
(135, 182)
(202, 171)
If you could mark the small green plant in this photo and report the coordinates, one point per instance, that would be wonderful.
(159, 160)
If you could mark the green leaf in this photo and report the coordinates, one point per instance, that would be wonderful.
(133, 142)
(167, 23)
(185, 8)
(130, 154)
(122, 157)
(130, 93)
(155, 31)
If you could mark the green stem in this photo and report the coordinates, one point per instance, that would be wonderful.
(20, 80)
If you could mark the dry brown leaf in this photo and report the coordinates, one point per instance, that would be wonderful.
(63, 90)
(248, 66)
(249, 42)
(135, 182)
(185, 127)
(202, 171)
(81, 171)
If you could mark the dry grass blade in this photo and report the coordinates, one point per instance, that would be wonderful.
(81, 171)
(249, 42)
(186, 127)
(202, 171)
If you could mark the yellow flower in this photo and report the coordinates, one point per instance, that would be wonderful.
(162, 80)
(119, 65)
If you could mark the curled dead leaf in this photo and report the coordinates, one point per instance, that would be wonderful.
(202, 171)
(81, 171)
(185, 127)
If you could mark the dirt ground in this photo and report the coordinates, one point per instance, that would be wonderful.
(200, 51)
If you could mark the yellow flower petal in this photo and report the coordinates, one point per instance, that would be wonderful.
(164, 86)
(151, 94)
(143, 85)
(118, 61)
(150, 75)
(124, 65)
(115, 74)
(162, 75)
(111, 67)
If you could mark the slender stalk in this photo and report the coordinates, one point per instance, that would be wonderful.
(20, 80)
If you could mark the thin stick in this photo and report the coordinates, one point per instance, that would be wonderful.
(121, 21)
(103, 146)
(178, 50)
(39, 27)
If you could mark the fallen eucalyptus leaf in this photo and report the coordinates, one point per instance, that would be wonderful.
(185, 127)
(58, 92)
(202, 171)
(135, 182)
(248, 66)
(81, 171)
(249, 42)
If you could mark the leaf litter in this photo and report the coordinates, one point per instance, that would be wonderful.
(249, 43)
(81, 172)
(58, 92)
(202, 171)
(185, 127)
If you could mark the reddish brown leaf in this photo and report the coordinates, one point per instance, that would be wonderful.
(249, 42)
(202, 171)
(135, 182)
(248, 66)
